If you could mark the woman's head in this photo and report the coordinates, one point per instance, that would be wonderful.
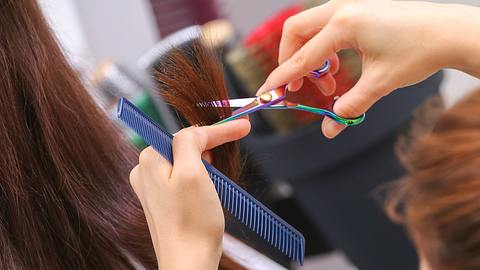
(439, 200)
(65, 198)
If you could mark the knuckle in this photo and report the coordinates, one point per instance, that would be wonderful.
(147, 155)
(349, 110)
(350, 16)
(379, 89)
(289, 25)
(184, 137)
(135, 180)
(350, 20)
(194, 137)
(299, 60)
(375, 94)
(189, 177)
(352, 1)
(343, 18)
(270, 81)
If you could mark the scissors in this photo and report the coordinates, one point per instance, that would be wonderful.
(276, 99)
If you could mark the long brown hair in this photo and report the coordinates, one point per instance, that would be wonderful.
(439, 199)
(189, 77)
(65, 199)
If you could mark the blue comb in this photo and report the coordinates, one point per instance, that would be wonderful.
(234, 199)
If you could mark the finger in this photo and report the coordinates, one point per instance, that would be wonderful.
(151, 161)
(189, 145)
(226, 132)
(207, 156)
(307, 58)
(292, 86)
(135, 180)
(190, 127)
(329, 85)
(295, 85)
(326, 84)
(355, 102)
(262, 89)
(334, 63)
(298, 29)
(330, 128)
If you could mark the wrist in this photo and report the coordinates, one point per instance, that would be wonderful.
(188, 254)
(462, 38)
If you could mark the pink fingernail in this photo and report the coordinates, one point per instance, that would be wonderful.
(332, 129)
(260, 90)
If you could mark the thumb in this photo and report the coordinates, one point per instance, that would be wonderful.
(354, 103)
(227, 132)
(189, 144)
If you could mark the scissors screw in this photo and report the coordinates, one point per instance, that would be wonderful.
(265, 97)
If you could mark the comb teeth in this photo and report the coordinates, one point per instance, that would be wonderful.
(233, 198)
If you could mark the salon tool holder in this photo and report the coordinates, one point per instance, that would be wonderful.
(233, 198)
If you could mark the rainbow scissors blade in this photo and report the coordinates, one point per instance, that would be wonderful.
(277, 99)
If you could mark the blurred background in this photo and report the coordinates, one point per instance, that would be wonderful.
(324, 188)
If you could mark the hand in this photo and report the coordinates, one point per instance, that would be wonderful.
(181, 205)
(400, 43)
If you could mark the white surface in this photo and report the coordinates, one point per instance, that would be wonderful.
(64, 19)
(246, 256)
(247, 14)
(90, 31)
(331, 261)
(119, 30)
(457, 84)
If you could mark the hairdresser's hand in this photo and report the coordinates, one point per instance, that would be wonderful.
(181, 205)
(401, 43)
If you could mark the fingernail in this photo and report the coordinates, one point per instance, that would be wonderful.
(207, 155)
(246, 116)
(332, 129)
(260, 90)
(322, 90)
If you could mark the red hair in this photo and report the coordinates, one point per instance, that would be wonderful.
(439, 199)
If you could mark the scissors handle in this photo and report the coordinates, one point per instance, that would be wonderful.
(335, 117)
(317, 73)
(274, 97)
(330, 114)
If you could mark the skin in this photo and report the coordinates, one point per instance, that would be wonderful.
(401, 43)
(182, 208)
(424, 264)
